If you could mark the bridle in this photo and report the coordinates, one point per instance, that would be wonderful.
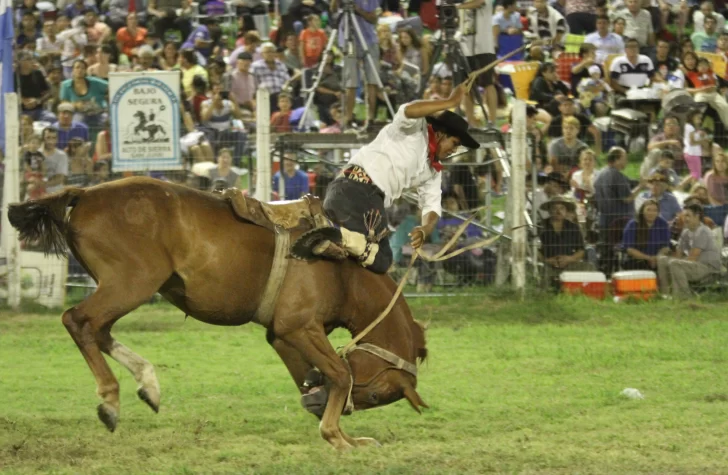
(395, 361)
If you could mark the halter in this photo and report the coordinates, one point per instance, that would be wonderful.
(396, 361)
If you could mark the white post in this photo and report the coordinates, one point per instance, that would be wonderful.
(11, 194)
(264, 180)
(517, 189)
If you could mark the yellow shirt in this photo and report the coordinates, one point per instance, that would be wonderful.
(188, 75)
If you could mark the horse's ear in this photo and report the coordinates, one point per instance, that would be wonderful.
(414, 399)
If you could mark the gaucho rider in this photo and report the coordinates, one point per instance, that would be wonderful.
(405, 154)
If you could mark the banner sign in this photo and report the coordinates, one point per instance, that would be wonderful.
(42, 279)
(145, 121)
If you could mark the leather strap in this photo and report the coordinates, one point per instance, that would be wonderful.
(264, 315)
(389, 357)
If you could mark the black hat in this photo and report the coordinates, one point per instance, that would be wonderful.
(455, 126)
(558, 178)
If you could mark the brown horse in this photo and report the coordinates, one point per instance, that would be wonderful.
(139, 236)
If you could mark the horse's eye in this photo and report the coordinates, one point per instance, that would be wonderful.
(373, 398)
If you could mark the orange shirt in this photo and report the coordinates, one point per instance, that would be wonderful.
(129, 42)
(313, 43)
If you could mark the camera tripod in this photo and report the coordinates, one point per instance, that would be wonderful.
(455, 59)
(348, 17)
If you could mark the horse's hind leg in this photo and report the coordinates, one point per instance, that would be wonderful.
(87, 323)
(142, 370)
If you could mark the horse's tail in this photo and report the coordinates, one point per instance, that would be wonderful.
(44, 219)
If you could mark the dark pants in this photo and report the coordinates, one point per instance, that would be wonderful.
(582, 23)
(346, 203)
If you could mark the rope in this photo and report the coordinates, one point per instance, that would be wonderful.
(440, 256)
(474, 75)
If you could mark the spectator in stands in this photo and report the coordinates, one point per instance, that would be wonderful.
(564, 151)
(121, 10)
(102, 149)
(662, 61)
(410, 48)
(170, 26)
(242, 83)
(614, 197)
(251, 43)
(49, 44)
(67, 128)
(580, 15)
(329, 90)
(100, 173)
(73, 38)
(29, 33)
(147, 59)
(88, 96)
(567, 109)
(33, 169)
(716, 180)
(665, 166)
(56, 161)
(508, 21)
(657, 185)
(669, 140)
(678, 224)
(553, 185)
(217, 116)
(312, 42)
(697, 143)
(270, 73)
(638, 24)
(546, 89)
(605, 41)
(280, 121)
(131, 36)
(562, 245)
(645, 238)
(290, 54)
(97, 32)
(702, 84)
(631, 70)
(104, 66)
(190, 69)
(706, 40)
(367, 14)
(295, 181)
(695, 258)
(582, 180)
(388, 50)
(546, 23)
(33, 87)
(224, 171)
(619, 24)
(333, 127)
(80, 166)
(77, 8)
(204, 38)
(170, 56)
(707, 11)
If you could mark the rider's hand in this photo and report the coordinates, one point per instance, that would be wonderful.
(417, 236)
(456, 96)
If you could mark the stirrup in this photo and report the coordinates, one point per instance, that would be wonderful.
(319, 243)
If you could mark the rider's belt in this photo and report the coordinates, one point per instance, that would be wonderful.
(356, 173)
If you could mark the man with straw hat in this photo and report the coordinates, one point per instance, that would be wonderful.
(562, 245)
(406, 154)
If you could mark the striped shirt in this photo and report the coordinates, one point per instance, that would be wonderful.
(630, 75)
(638, 27)
(220, 118)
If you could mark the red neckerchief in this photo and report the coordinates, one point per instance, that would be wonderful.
(432, 149)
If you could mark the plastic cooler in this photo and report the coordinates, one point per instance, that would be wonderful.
(591, 284)
(635, 283)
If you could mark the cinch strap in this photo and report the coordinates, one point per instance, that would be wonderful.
(275, 280)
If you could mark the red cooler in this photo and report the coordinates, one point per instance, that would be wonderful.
(641, 284)
(591, 284)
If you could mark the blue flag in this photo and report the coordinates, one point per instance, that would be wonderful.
(7, 38)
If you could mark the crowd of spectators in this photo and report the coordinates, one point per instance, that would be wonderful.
(631, 54)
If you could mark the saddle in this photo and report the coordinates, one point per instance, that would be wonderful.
(300, 215)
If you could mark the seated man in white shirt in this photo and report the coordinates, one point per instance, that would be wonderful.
(606, 42)
(405, 154)
(632, 70)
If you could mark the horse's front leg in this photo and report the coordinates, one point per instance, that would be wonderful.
(313, 345)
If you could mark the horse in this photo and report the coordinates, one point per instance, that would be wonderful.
(151, 129)
(140, 236)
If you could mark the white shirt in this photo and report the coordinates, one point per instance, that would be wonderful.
(632, 75)
(699, 21)
(397, 159)
(476, 28)
(694, 150)
(610, 44)
(45, 45)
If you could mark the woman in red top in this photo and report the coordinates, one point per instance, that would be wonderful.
(704, 84)
(130, 37)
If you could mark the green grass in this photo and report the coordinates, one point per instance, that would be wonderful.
(513, 387)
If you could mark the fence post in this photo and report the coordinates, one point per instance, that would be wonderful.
(264, 180)
(517, 189)
(11, 194)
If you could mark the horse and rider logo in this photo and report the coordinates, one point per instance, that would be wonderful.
(146, 129)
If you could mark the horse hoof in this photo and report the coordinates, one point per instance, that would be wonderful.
(145, 396)
(108, 416)
(366, 441)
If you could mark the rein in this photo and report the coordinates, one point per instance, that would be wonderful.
(442, 255)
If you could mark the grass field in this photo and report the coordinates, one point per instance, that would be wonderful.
(513, 387)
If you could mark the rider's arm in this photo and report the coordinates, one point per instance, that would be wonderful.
(471, 5)
(419, 109)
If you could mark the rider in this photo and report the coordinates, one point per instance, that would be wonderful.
(406, 154)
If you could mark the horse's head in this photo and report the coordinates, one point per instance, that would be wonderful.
(386, 371)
